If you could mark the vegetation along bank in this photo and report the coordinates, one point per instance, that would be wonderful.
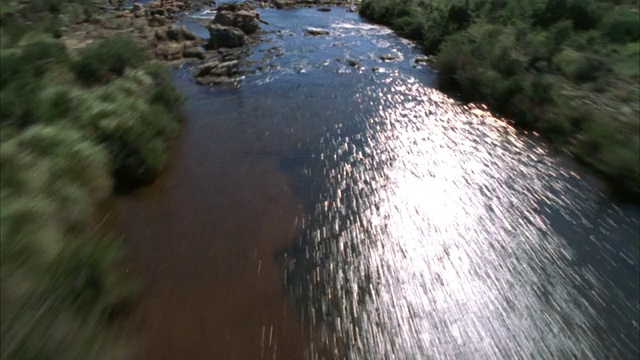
(77, 123)
(567, 69)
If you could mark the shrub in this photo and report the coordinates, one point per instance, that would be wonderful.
(109, 58)
(59, 309)
(626, 64)
(38, 53)
(621, 25)
(123, 116)
(53, 104)
(579, 67)
(164, 93)
(412, 27)
(11, 66)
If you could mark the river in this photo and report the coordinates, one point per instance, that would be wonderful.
(319, 210)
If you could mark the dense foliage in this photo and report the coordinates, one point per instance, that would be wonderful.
(566, 68)
(73, 127)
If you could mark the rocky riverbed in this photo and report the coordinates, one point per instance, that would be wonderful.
(218, 59)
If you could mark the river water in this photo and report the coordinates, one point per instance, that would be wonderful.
(319, 210)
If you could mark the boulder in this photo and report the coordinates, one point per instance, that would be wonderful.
(248, 21)
(159, 12)
(231, 54)
(316, 31)
(193, 52)
(354, 63)
(324, 9)
(137, 7)
(225, 37)
(216, 68)
(216, 80)
(388, 57)
(157, 21)
(224, 18)
(235, 6)
(424, 60)
(245, 20)
(352, 9)
(160, 36)
(180, 33)
(282, 4)
(169, 51)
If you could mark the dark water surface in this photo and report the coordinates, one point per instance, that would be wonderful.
(324, 211)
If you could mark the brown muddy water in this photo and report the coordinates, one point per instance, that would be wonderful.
(205, 238)
(319, 210)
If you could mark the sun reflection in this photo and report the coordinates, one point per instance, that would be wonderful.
(441, 250)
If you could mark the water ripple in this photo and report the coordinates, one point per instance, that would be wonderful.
(432, 239)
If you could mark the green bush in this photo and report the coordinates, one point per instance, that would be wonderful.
(579, 67)
(101, 62)
(38, 53)
(412, 27)
(164, 93)
(626, 62)
(126, 116)
(621, 25)
(612, 151)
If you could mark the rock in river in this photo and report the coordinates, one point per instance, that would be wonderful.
(316, 31)
(245, 20)
(354, 63)
(194, 52)
(225, 37)
(388, 57)
(216, 72)
(216, 68)
(424, 60)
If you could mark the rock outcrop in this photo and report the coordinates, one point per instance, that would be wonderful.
(176, 42)
(216, 72)
(245, 20)
(180, 33)
(224, 37)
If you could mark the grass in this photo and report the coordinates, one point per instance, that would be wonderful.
(73, 128)
(565, 68)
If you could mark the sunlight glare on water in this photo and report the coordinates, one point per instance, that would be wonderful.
(430, 242)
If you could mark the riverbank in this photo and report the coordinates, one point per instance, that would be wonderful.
(567, 70)
(85, 112)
